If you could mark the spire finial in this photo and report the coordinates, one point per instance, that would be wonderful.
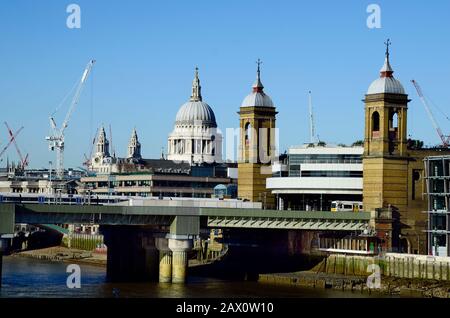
(387, 43)
(196, 88)
(386, 70)
(258, 86)
(259, 62)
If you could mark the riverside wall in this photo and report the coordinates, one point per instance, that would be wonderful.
(390, 264)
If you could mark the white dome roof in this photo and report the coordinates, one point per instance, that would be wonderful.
(257, 99)
(196, 113)
(386, 85)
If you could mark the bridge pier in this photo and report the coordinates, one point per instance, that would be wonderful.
(1, 267)
(132, 254)
(180, 248)
(4, 243)
(165, 259)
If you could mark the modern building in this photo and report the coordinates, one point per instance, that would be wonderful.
(39, 181)
(437, 176)
(195, 138)
(316, 176)
(161, 178)
(393, 171)
(257, 145)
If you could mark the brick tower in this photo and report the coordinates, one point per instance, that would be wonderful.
(256, 145)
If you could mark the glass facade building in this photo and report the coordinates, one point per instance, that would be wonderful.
(438, 193)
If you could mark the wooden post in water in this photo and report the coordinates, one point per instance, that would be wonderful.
(3, 248)
(1, 267)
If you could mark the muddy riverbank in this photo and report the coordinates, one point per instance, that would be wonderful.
(72, 255)
(64, 254)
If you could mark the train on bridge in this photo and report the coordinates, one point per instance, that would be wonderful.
(60, 198)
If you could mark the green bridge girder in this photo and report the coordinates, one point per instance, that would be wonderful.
(11, 213)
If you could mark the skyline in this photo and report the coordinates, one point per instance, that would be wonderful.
(146, 60)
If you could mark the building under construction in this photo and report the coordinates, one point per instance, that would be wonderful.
(437, 169)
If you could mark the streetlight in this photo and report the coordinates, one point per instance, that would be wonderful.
(386, 234)
(435, 245)
(50, 176)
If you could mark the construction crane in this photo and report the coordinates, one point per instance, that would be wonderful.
(11, 140)
(56, 140)
(444, 139)
(23, 161)
(312, 131)
(87, 160)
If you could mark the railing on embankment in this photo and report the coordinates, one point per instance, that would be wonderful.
(87, 242)
(390, 264)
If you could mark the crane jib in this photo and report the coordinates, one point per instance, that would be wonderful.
(56, 141)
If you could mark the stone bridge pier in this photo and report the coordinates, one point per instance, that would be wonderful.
(165, 259)
(173, 258)
(144, 253)
(180, 247)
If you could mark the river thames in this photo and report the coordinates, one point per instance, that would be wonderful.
(24, 277)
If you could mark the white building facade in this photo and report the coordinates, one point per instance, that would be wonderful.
(314, 176)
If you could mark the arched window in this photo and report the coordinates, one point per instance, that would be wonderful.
(375, 121)
(395, 121)
(393, 125)
(248, 133)
(375, 124)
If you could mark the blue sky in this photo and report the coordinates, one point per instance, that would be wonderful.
(146, 52)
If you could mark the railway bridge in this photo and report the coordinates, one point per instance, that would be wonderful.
(151, 240)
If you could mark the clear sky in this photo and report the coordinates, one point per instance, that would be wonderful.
(146, 52)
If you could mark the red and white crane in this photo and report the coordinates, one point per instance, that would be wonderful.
(444, 139)
(12, 140)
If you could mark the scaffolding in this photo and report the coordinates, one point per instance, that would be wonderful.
(437, 177)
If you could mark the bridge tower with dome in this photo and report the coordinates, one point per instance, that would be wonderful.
(385, 143)
(257, 148)
(394, 179)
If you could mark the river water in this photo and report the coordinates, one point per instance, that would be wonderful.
(25, 277)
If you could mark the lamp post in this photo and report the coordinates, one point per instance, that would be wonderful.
(418, 243)
(50, 177)
(386, 241)
(435, 245)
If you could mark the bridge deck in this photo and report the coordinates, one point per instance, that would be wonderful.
(11, 213)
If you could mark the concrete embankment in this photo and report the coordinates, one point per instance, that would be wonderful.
(420, 267)
(403, 275)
